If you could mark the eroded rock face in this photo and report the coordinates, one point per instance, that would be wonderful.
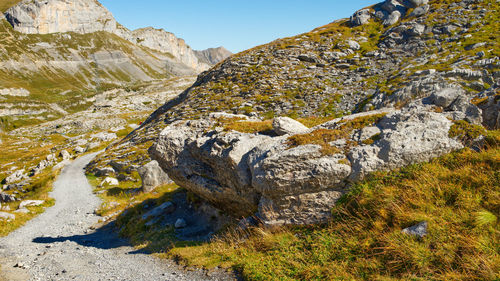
(51, 16)
(243, 173)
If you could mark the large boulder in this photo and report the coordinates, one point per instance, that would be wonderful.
(152, 176)
(361, 17)
(289, 182)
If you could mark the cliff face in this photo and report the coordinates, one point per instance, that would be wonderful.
(163, 41)
(88, 16)
(51, 16)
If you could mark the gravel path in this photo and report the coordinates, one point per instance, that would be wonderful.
(61, 244)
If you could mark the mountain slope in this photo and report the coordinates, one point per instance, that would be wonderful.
(54, 55)
(343, 67)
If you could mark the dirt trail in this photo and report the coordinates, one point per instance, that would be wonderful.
(61, 245)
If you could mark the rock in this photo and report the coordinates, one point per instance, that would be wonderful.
(103, 136)
(416, 3)
(417, 30)
(361, 17)
(392, 19)
(118, 167)
(40, 167)
(164, 209)
(7, 216)
(366, 133)
(79, 149)
(391, 6)
(65, 155)
(213, 56)
(15, 177)
(61, 165)
(22, 211)
(244, 173)
(30, 203)
(103, 171)
(180, 223)
(353, 45)
(6, 198)
(420, 11)
(491, 108)
(419, 230)
(285, 125)
(446, 97)
(152, 176)
(110, 181)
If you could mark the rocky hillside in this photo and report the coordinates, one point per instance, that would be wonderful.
(383, 56)
(55, 55)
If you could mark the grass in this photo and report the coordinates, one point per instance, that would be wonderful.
(38, 190)
(323, 137)
(6, 4)
(458, 195)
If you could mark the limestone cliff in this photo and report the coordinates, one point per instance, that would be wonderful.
(88, 16)
(51, 16)
(163, 41)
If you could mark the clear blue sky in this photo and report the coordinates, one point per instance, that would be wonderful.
(235, 24)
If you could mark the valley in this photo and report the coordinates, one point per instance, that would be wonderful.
(365, 149)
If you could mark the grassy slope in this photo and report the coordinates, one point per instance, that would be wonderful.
(458, 195)
(6, 4)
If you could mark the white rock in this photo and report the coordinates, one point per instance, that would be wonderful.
(110, 181)
(7, 216)
(285, 125)
(30, 203)
(353, 45)
(152, 176)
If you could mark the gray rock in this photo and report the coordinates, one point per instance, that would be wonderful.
(285, 125)
(420, 11)
(244, 173)
(152, 176)
(164, 209)
(103, 171)
(180, 223)
(353, 45)
(392, 19)
(361, 17)
(391, 6)
(7, 216)
(79, 149)
(416, 3)
(65, 155)
(103, 136)
(446, 97)
(419, 230)
(417, 30)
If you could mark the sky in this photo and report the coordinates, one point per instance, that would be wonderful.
(235, 24)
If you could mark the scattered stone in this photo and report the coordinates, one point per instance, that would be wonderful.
(79, 149)
(180, 223)
(103, 136)
(419, 230)
(6, 198)
(164, 209)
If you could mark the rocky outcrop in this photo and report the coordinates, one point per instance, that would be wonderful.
(284, 183)
(390, 11)
(213, 56)
(51, 16)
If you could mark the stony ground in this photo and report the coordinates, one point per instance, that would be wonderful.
(64, 243)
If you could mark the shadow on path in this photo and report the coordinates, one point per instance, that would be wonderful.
(103, 238)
